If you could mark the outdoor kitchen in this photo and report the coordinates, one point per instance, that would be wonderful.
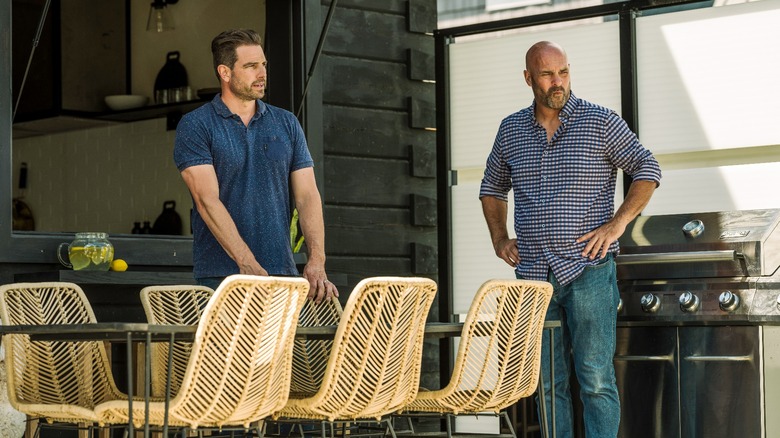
(400, 115)
(699, 270)
(698, 350)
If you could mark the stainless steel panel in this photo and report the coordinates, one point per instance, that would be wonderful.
(752, 235)
(720, 382)
(646, 373)
(708, 291)
(771, 382)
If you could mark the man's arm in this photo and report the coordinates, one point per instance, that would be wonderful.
(601, 238)
(309, 205)
(495, 211)
(203, 185)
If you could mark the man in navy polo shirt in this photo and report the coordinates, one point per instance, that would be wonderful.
(241, 160)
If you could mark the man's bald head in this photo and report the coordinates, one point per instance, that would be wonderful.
(539, 49)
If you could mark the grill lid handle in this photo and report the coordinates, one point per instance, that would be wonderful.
(678, 257)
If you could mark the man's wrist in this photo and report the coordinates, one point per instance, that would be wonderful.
(316, 258)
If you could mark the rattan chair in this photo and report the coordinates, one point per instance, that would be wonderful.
(374, 366)
(240, 365)
(499, 353)
(173, 305)
(58, 381)
(310, 356)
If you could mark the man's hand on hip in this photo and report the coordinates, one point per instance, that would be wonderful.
(600, 239)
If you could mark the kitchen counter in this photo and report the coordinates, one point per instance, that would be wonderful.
(135, 278)
(114, 296)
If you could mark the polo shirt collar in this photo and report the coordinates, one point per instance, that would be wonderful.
(222, 109)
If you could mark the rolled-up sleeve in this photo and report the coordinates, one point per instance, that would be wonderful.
(628, 154)
(497, 179)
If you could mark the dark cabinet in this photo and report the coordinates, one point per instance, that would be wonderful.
(81, 56)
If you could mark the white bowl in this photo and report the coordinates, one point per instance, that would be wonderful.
(119, 102)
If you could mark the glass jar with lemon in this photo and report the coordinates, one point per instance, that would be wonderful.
(88, 252)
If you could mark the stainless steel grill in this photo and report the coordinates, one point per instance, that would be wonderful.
(698, 337)
(703, 267)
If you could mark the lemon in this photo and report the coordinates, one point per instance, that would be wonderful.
(119, 265)
(79, 260)
(98, 255)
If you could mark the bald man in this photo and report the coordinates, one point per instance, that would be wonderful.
(560, 157)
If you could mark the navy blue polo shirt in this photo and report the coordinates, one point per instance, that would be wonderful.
(253, 165)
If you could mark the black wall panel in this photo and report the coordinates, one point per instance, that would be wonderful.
(379, 193)
(361, 132)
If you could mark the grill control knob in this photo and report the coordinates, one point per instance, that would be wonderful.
(689, 302)
(693, 228)
(650, 303)
(728, 301)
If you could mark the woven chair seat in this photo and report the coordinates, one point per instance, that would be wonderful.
(56, 380)
(172, 305)
(310, 356)
(374, 365)
(498, 358)
(499, 354)
(239, 369)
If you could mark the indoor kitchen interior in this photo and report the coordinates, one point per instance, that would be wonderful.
(400, 101)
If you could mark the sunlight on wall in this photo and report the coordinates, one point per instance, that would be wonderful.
(701, 87)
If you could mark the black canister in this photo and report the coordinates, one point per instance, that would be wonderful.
(172, 77)
(169, 222)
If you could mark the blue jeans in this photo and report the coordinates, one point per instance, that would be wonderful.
(587, 309)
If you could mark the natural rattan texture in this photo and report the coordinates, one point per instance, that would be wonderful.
(240, 365)
(374, 366)
(499, 354)
(310, 356)
(173, 305)
(57, 380)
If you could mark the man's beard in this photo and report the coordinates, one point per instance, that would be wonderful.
(556, 102)
(245, 92)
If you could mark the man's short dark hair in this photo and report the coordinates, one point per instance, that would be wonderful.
(223, 46)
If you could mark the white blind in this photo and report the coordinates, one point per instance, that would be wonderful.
(487, 83)
(473, 258)
(723, 188)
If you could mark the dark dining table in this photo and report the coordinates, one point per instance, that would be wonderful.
(130, 333)
(125, 332)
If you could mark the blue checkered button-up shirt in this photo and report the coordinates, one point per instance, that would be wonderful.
(563, 188)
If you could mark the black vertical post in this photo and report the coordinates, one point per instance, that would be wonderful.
(292, 31)
(278, 44)
(444, 199)
(628, 80)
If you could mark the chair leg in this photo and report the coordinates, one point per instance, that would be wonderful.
(449, 418)
(409, 425)
(505, 416)
(261, 425)
(390, 427)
